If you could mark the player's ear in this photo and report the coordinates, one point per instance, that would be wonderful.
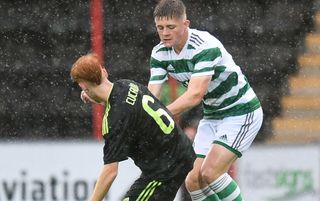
(104, 72)
(186, 23)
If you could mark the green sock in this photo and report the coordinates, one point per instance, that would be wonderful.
(212, 197)
(205, 194)
(226, 188)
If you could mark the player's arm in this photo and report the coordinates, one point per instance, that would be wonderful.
(155, 89)
(107, 175)
(158, 75)
(197, 88)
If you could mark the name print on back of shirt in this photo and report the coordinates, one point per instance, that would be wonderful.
(132, 94)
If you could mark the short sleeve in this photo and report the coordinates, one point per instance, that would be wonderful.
(205, 61)
(117, 140)
(158, 72)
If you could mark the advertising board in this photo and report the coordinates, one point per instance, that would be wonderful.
(280, 173)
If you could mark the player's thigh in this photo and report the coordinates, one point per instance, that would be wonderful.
(205, 137)
(233, 136)
(217, 162)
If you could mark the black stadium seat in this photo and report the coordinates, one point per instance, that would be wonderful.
(40, 41)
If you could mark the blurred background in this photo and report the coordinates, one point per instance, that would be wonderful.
(40, 41)
(276, 43)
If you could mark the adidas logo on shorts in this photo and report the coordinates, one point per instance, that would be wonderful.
(223, 138)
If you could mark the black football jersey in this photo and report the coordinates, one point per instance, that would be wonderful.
(138, 125)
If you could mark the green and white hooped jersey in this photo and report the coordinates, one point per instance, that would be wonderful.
(228, 94)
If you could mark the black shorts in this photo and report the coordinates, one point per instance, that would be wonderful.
(149, 189)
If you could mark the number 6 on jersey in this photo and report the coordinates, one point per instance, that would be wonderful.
(156, 115)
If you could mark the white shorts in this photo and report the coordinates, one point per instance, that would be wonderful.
(236, 133)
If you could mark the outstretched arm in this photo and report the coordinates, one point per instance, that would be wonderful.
(197, 88)
(155, 89)
(107, 175)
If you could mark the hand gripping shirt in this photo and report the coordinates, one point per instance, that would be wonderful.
(139, 126)
(228, 94)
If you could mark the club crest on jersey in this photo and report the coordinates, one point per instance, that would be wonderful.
(190, 65)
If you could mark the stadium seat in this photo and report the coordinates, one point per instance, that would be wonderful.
(40, 41)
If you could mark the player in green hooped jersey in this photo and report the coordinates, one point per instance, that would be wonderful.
(232, 115)
(135, 125)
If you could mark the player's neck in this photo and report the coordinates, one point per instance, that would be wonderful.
(182, 43)
(103, 91)
(108, 89)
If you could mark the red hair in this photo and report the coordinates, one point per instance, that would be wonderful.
(87, 68)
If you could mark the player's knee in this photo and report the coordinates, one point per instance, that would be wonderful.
(192, 182)
(209, 174)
